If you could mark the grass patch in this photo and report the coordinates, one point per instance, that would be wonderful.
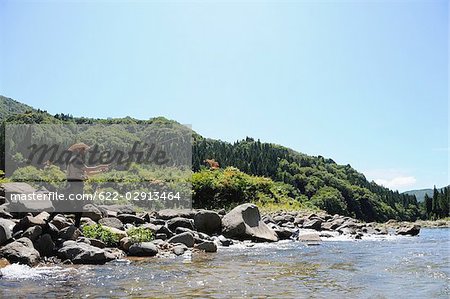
(140, 234)
(97, 231)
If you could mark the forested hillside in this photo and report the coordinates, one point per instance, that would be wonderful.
(437, 205)
(264, 172)
(10, 107)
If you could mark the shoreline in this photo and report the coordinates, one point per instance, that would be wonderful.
(33, 240)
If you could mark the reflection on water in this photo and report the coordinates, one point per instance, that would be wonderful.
(414, 267)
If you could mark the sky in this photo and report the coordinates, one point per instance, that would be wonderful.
(362, 82)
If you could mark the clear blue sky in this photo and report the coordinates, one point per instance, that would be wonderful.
(362, 82)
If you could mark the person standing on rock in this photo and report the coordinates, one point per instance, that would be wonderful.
(77, 172)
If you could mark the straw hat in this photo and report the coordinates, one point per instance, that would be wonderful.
(78, 146)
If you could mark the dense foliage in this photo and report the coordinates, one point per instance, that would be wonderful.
(437, 207)
(326, 184)
(224, 188)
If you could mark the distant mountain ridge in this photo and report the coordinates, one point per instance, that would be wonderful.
(420, 193)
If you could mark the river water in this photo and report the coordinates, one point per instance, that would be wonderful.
(392, 267)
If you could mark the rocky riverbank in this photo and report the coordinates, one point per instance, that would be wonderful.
(32, 239)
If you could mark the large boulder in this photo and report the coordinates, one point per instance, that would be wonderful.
(207, 246)
(208, 222)
(28, 221)
(119, 209)
(411, 230)
(6, 228)
(83, 253)
(60, 222)
(111, 222)
(315, 224)
(183, 238)
(4, 212)
(69, 233)
(130, 218)
(92, 212)
(143, 249)
(167, 214)
(310, 238)
(244, 223)
(21, 251)
(173, 223)
(45, 245)
(33, 232)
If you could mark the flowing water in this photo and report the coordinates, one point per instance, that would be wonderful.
(393, 267)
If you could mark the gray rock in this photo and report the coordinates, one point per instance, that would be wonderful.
(125, 243)
(331, 225)
(208, 222)
(315, 224)
(157, 221)
(21, 251)
(6, 229)
(348, 230)
(325, 235)
(161, 236)
(82, 253)
(43, 216)
(4, 213)
(164, 230)
(180, 230)
(84, 240)
(173, 223)
(244, 223)
(207, 246)
(179, 249)
(45, 245)
(87, 221)
(52, 230)
(33, 232)
(224, 241)
(278, 219)
(310, 239)
(60, 222)
(268, 219)
(143, 249)
(26, 222)
(114, 253)
(411, 230)
(92, 212)
(97, 243)
(69, 233)
(111, 222)
(299, 221)
(167, 214)
(119, 209)
(183, 238)
(129, 218)
(283, 233)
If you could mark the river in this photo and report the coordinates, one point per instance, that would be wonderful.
(392, 267)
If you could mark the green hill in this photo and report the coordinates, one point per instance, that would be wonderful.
(10, 107)
(292, 177)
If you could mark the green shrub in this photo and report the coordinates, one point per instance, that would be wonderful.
(140, 234)
(97, 231)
